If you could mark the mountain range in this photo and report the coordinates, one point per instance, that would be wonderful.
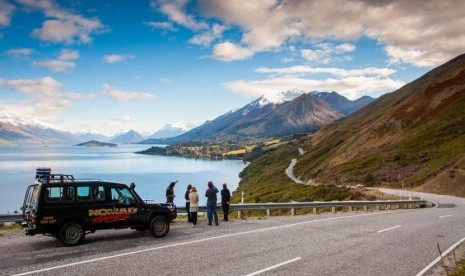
(287, 113)
(413, 137)
(281, 114)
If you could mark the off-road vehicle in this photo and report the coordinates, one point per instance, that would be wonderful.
(61, 206)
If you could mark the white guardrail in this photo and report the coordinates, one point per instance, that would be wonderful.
(334, 205)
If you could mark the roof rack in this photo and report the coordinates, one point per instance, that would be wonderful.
(45, 176)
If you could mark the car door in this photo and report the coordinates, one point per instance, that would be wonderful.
(126, 208)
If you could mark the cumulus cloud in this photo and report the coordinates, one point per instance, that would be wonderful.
(117, 58)
(206, 38)
(418, 32)
(297, 70)
(20, 52)
(55, 65)
(63, 26)
(66, 54)
(6, 12)
(62, 63)
(45, 99)
(120, 95)
(351, 87)
(175, 11)
(228, 51)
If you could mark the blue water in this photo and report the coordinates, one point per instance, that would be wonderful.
(151, 174)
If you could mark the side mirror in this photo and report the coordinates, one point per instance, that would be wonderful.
(132, 186)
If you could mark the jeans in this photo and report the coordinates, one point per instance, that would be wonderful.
(211, 211)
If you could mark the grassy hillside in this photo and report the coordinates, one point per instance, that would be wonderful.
(414, 137)
(264, 180)
(409, 136)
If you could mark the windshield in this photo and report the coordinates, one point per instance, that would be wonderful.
(32, 197)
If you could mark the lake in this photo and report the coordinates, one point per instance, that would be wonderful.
(150, 173)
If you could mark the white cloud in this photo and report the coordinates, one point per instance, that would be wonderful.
(63, 26)
(117, 58)
(66, 54)
(45, 99)
(228, 51)
(6, 12)
(325, 53)
(160, 25)
(345, 47)
(293, 70)
(418, 32)
(175, 10)
(351, 87)
(20, 52)
(55, 65)
(165, 80)
(61, 64)
(125, 96)
(209, 36)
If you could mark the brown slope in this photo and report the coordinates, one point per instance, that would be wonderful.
(304, 114)
(410, 135)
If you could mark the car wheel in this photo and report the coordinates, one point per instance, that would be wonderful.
(71, 234)
(159, 227)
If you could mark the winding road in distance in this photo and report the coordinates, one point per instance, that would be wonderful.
(399, 242)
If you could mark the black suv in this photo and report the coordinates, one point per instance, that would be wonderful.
(67, 208)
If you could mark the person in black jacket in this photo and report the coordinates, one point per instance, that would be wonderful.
(186, 196)
(225, 198)
(210, 194)
(170, 192)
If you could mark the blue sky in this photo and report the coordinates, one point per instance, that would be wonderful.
(109, 66)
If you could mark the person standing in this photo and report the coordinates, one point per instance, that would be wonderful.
(170, 192)
(225, 198)
(186, 196)
(210, 194)
(194, 205)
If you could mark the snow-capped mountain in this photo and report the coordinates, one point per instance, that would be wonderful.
(281, 97)
(14, 129)
(171, 130)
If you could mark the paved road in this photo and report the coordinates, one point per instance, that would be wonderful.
(400, 242)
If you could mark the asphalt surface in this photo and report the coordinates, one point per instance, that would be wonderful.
(399, 242)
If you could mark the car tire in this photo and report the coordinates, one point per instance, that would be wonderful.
(159, 227)
(71, 234)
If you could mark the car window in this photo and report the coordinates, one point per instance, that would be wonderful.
(59, 193)
(90, 193)
(122, 195)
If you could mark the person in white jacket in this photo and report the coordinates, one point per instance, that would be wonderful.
(194, 205)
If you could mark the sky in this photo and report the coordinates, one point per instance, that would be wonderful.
(111, 66)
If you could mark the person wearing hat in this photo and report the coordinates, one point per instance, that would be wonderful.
(170, 192)
(225, 198)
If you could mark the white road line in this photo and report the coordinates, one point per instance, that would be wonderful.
(446, 216)
(203, 240)
(433, 263)
(384, 230)
(273, 267)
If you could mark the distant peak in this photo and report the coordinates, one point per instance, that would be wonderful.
(284, 96)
